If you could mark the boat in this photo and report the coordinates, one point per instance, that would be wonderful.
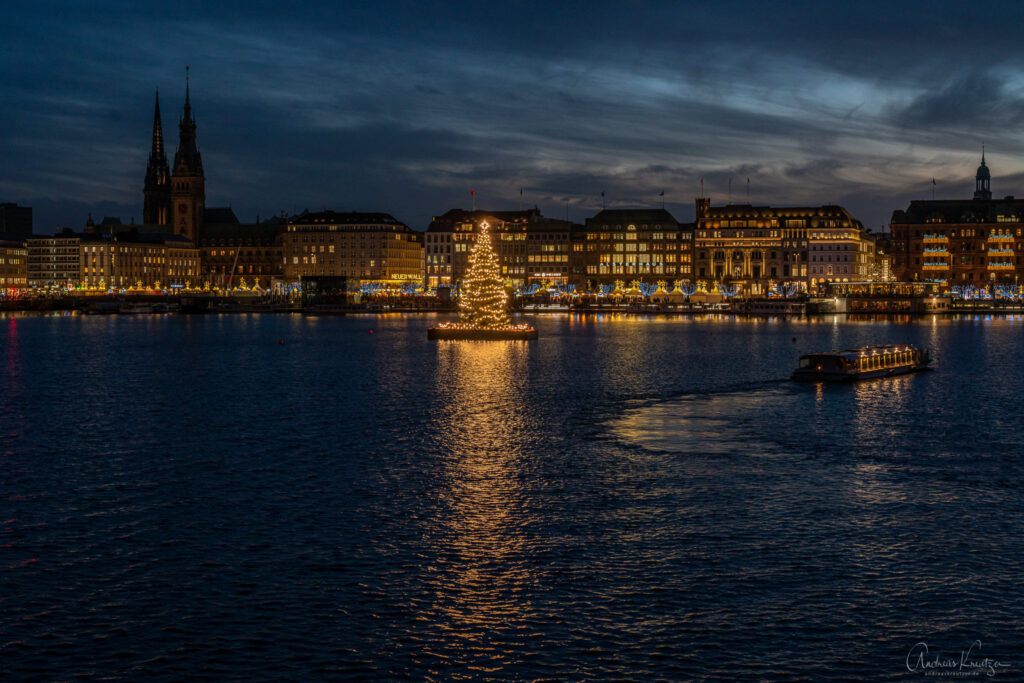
(469, 333)
(103, 308)
(867, 362)
(142, 308)
(770, 307)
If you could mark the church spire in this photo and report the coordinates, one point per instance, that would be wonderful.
(157, 190)
(187, 161)
(158, 133)
(188, 105)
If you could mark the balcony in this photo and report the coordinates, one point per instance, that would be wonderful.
(935, 265)
(935, 238)
(1000, 236)
(1000, 265)
(936, 250)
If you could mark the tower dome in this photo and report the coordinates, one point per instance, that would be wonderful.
(983, 172)
(982, 179)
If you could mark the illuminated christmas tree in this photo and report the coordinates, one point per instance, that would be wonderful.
(484, 301)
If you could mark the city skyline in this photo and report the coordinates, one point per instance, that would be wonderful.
(407, 112)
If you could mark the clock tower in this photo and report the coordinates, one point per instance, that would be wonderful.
(188, 185)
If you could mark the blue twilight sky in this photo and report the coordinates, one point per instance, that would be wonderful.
(404, 107)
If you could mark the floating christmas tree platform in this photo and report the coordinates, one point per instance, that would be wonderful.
(483, 306)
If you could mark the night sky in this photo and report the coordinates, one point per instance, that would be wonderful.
(405, 107)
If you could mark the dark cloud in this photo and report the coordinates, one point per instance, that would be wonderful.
(404, 107)
(978, 101)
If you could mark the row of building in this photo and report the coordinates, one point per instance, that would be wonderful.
(751, 247)
(182, 243)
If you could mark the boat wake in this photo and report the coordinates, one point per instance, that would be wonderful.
(720, 423)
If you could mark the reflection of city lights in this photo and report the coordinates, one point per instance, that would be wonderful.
(483, 428)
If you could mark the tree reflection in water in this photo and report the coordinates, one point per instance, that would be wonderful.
(483, 576)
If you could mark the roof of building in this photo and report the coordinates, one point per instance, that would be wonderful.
(643, 216)
(744, 210)
(132, 234)
(63, 233)
(445, 221)
(224, 214)
(265, 231)
(751, 211)
(960, 210)
(123, 234)
(350, 218)
(553, 225)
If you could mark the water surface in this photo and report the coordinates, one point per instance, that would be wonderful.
(268, 497)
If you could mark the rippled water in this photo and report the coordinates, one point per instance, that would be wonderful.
(625, 497)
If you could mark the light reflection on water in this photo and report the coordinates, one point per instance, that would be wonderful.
(483, 578)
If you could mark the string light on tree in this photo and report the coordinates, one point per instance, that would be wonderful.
(483, 302)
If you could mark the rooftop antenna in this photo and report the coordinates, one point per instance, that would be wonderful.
(473, 194)
(602, 200)
(520, 199)
(748, 190)
(730, 189)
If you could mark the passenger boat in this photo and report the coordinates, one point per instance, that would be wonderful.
(864, 363)
(770, 307)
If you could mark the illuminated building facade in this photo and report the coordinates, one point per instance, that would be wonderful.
(117, 257)
(530, 248)
(238, 254)
(549, 251)
(364, 247)
(133, 259)
(753, 247)
(975, 241)
(13, 266)
(53, 261)
(648, 245)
